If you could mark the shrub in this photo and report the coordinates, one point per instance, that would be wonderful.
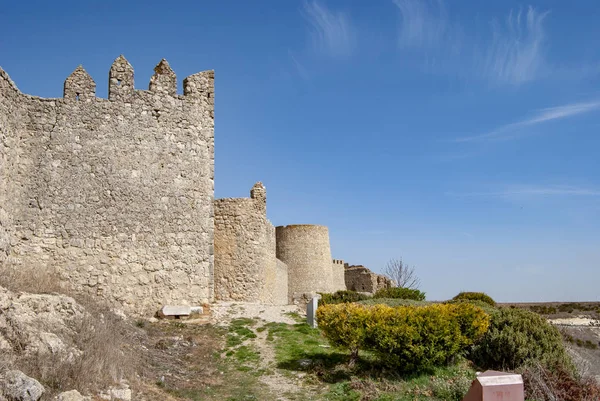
(543, 309)
(408, 338)
(487, 308)
(340, 297)
(345, 326)
(542, 384)
(400, 293)
(518, 337)
(475, 296)
(393, 302)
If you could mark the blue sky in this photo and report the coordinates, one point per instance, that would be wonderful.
(460, 136)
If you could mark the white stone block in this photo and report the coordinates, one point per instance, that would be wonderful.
(176, 310)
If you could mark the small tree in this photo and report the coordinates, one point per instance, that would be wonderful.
(403, 274)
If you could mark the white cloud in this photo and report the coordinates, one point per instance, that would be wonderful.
(299, 67)
(332, 32)
(511, 131)
(512, 52)
(423, 23)
(516, 54)
(520, 191)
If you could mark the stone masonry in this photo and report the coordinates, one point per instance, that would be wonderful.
(305, 249)
(115, 194)
(361, 279)
(246, 268)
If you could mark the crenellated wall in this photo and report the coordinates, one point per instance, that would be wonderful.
(306, 251)
(116, 194)
(246, 268)
(338, 275)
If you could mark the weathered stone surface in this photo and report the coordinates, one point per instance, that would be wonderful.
(121, 393)
(306, 251)
(197, 310)
(116, 194)
(72, 395)
(39, 323)
(338, 275)
(361, 279)
(176, 310)
(17, 386)
(246, 268)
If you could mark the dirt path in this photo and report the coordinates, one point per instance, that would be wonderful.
(277, 382)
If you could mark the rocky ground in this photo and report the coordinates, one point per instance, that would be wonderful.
(55, 348)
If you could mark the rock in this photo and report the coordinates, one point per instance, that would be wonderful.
(38, 323)
(176, 310)
(121, 393)
(17, 386)
(197, 310)
(72, 395)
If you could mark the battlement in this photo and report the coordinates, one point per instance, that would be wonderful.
(116, 194)
(338, 262)
(80, 86)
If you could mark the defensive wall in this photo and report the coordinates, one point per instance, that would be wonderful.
(360, 279)
(338, 275)
(246, 268)
(305, 250)
(115, 194)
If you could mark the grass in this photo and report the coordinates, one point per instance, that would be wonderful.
(300, 348)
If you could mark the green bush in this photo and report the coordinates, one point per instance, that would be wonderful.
(341, 297)
(475, 296)
(394, 302)
(345, 326)
(400, 293)
(517, 338)
(407, 338)
(480, 304)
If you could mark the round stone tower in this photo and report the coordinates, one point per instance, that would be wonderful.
(305, 249)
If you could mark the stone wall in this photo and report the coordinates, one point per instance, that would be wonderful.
(9, 140)
(116, 194)
(246, 268)
(361, 279)
(338, 275)
(305, 249)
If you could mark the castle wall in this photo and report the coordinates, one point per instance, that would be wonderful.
(361, 279)
(116, 194)
(280, 292)
(338, 275)
(246, 268)
(9, 141)
(306, 251)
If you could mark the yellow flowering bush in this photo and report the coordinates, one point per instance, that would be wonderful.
(408, 338)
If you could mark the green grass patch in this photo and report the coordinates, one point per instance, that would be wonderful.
(239, 332)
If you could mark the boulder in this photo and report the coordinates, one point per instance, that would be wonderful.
(17, 386)
(72, 395)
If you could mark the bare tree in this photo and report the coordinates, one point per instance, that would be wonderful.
(403, 274)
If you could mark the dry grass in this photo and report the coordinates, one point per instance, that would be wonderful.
(30, 280)
(544, 385)
(104, 339)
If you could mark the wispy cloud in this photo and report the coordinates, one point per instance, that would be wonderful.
(332, 32)
(512, 51)
(513, 130)
(299, 67)
(423, 23)
(532, 191)
(516, 54)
